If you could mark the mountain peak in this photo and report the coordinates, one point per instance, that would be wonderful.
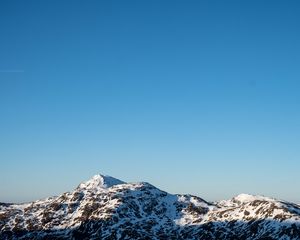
(245, 198)
(100, 181)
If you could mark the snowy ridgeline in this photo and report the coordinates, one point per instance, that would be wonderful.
(107, 208)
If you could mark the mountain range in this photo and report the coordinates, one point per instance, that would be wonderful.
(108, 208)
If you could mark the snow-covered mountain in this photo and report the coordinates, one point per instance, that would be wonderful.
(108, 208)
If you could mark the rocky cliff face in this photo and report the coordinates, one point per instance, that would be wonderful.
(107, 208)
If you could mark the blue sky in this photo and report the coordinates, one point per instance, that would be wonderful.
(191, 96)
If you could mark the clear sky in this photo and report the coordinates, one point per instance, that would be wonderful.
(198, 97)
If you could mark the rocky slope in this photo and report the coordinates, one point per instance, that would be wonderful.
(107, 208)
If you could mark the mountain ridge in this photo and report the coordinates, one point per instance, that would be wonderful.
(107, 208)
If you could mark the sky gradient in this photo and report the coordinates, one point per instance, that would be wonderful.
(196, 97)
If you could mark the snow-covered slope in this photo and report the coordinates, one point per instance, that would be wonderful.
(107, 208)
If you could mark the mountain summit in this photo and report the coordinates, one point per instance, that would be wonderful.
(100, 181)
(107, 208)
